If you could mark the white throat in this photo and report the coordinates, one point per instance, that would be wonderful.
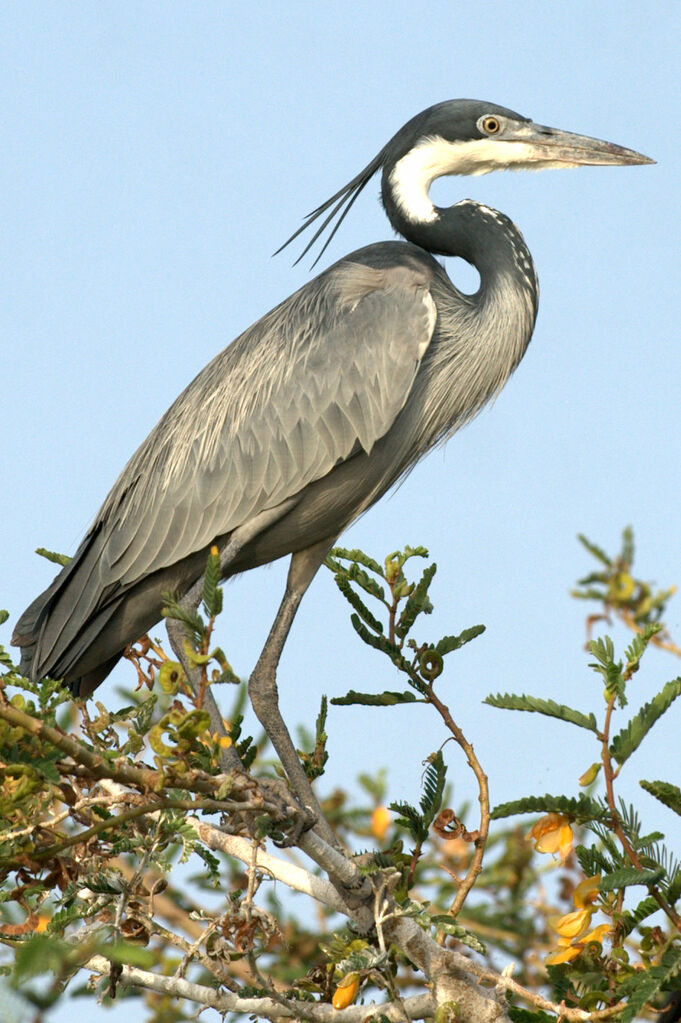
(412, 176)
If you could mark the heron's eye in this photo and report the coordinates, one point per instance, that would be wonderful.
(491, 125)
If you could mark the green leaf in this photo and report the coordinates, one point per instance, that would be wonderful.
(667, 793)
(651, 982)
(192, 619)
(673, 892)
(604, 652)
(633, 917)
(638, 645)
(320, 723)
(633, 734)
(628, 876)
(63, 917)
(212, 593)
(57, 559)
(645, 841)
(418, 602)
(354, 555)
(4, 615)
(46, 766)
(518, 1015)
(411, 552)
(41, 953)
(593, 860)
(433, 788)
(581, 808)
(142, 719)
(406, 810)
(212, 862)
(380, 643)
(595, 550)
(354, 600)
(386, 699)
(449, 643)
(6, 659)
(126, 953)
(627, 552)
(449, 926)
(588, 594)
(537, 705)
(410, 819)
(357, 575)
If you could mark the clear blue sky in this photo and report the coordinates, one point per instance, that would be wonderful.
(154, 156)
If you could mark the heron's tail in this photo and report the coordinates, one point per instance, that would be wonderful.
(27, 630)
(59, 630)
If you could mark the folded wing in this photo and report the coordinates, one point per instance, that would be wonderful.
(323, 375)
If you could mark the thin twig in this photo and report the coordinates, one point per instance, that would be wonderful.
(483, 798)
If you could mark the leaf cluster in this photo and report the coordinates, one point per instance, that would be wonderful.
(623, 856)
(418, 822)
(615, 587)
(97, 807)
(401, 602)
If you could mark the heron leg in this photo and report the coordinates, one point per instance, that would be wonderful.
(177, 634)
(262, 685)
(229, 758)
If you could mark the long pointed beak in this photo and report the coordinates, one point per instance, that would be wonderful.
(551, 145)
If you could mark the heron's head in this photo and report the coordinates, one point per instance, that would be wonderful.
(466, 136)
(460, 136)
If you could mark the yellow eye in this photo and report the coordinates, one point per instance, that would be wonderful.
(491, 125)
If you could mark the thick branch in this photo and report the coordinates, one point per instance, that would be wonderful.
(417, 1007)
(449, 972)
(278, 869)
(295, 877)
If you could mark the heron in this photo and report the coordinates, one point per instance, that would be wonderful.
(313, 413)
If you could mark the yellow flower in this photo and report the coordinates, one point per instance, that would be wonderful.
(597, 934)
(572, 925)
(567, 952)
(553, 834)
(589, 775)
(573, 928)
(586, 892)
(380, 822)
(563, 955)
(346, 992)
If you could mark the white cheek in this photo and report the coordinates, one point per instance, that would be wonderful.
(413, 175)
(410, 182)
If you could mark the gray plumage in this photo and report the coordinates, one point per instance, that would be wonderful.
(309, 416)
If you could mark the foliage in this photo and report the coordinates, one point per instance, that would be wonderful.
(100, 807)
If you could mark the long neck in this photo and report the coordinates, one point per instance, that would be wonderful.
(481, 338)
(487, 239)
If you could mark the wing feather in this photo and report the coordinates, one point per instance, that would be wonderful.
(326, 371)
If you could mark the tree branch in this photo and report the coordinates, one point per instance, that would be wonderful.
(418, 1007)
(483, 799)
(296, 877)
(449, 972)
(278, 869)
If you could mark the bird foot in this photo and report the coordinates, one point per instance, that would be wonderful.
(287, 820)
